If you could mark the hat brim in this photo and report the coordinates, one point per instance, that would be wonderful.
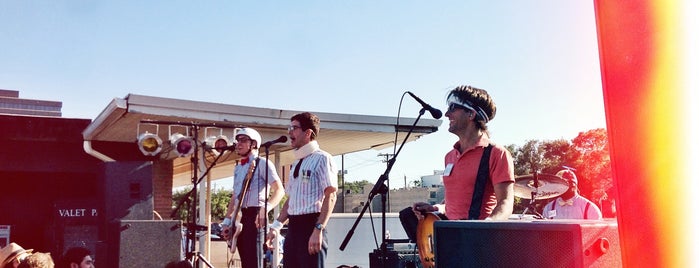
(15, 255)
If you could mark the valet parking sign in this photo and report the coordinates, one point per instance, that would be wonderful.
(76, 212)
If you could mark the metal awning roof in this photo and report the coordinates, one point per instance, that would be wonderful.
(123, 119)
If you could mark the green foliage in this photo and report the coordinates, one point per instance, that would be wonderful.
(184, 205)
(588, 154)
(594, 168)
(219, 203)
(356, 187)
(416, 183)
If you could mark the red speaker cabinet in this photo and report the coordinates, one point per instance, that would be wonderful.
(538, 243)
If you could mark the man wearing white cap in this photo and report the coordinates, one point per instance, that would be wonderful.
(571, 205)
(256, 202)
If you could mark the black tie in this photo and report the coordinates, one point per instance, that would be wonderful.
(296, 169)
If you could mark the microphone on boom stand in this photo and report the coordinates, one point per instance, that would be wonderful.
(281, 139)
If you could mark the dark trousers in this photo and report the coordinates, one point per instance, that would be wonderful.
(296, 243)
(249, 246)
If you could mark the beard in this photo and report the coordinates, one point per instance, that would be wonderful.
(568, 194)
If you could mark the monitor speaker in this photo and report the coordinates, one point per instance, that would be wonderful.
(144, 243)
(513, 243)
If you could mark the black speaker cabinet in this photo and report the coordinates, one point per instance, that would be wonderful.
(544, 243)
(141, 243)
(127, 189)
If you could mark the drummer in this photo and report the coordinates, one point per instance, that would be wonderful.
(571, 205)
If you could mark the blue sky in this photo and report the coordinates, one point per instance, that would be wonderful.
(538, 59)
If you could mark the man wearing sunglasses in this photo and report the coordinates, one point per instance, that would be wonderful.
(255, 204)
(467, 193)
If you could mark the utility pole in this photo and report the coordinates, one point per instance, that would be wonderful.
(387, 157)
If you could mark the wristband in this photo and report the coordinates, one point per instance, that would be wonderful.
(226, 221)
(276, 225)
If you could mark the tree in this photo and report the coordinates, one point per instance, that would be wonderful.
(593, 167)
(356, 186)
(545, 156)
(527, 157)
(588, 154)
(184, 205)
(556, 155)
(416, 183)
(219, 203)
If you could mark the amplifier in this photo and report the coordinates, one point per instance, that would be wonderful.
(545, 243)
(394, 259)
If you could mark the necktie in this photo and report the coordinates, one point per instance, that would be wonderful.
(296, 168)
(565, 203)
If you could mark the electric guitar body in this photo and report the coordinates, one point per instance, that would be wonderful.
(425, 239)
(236, 228)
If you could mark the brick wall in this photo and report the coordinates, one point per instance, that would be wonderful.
(162, 187)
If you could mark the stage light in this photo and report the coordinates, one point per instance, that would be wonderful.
(150, 144)
(183, 145)
(220, 142)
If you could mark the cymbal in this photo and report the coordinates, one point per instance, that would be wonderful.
(550, 186)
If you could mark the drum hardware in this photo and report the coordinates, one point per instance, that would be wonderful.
(537, 187)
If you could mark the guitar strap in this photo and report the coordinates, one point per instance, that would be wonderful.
(474, 211)
(246, 183)
(586, 207)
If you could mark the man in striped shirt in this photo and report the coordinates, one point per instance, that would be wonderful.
(311, 191)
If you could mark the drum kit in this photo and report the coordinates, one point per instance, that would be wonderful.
(538, 186)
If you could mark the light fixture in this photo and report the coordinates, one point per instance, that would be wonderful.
(150, 144)
(218, 144)
(183, 145)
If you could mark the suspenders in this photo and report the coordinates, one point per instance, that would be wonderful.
(587, 206)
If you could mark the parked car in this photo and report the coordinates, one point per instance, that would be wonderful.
(216, 231)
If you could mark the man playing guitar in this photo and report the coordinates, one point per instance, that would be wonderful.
(254, 204)
(469, 111)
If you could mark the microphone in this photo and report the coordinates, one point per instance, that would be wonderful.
(222, 148)
(278, 140)
(436, 113)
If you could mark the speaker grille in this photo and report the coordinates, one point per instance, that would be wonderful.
(526, 244)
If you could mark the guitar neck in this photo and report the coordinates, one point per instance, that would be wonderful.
(244, 190)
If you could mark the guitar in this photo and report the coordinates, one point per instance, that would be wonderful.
(236, 227)
(425, 239)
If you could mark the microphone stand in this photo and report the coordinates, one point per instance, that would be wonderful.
(264, 232)
(534, 192)
(381, 188)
